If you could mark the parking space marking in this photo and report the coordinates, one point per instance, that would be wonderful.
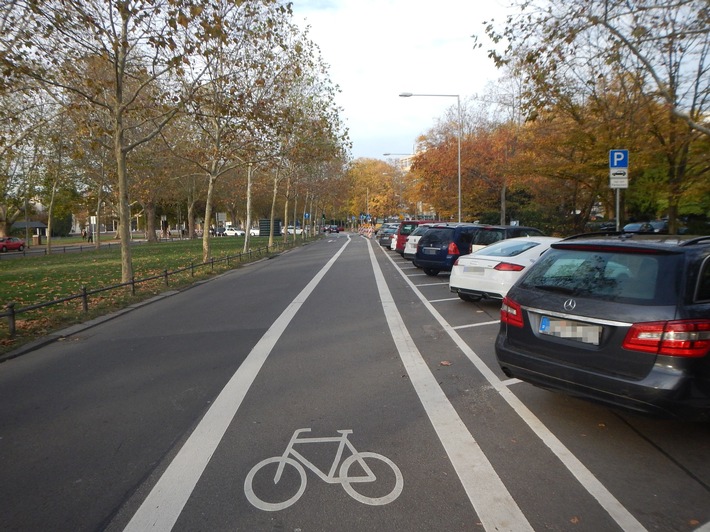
(510, 382)
(469, 325)
(162, 507)
(493, 503)
(432, 284)
(443, 300)
(584, 476)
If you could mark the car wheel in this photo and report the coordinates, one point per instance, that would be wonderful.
(431, 272)
(4, 249)
(21, 248)
(469, 298)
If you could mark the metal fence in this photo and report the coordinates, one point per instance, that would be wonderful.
(11, 312)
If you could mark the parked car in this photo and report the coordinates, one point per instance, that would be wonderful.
(410, 247)
(254, 231)
(442, 244)
(386, 235)
(639, 227)
(233, 231)
(297, 231)
(11, 243)
(623, 320)
(490, 234)
(404, 229)
(490, 272)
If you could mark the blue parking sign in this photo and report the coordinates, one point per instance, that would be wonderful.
(618, 158)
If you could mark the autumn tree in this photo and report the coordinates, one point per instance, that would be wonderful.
(140, 42)
(576, 43)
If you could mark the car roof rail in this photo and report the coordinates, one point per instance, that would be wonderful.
(620, 234)
(696, 240)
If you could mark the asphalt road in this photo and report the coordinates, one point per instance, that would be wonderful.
(334, 387)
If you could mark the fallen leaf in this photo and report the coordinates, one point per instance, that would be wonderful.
(574, 520)
(445, 363)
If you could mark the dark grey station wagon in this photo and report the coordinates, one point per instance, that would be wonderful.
(623, 320)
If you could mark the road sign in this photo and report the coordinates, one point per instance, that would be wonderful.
(619, 159)
(619, 168)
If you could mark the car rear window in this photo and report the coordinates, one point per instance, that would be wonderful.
(406, 229)
(485, 237)
(507, 248)
(615, 276)
(437, 236)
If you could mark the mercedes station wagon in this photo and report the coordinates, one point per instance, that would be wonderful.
(623, 320)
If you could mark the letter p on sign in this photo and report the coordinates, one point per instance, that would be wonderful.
(618, 158)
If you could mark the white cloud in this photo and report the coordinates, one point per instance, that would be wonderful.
(379, 48)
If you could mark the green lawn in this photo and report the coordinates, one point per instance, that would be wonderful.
(32, 280)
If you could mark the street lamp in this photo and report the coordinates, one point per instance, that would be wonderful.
(458, 106)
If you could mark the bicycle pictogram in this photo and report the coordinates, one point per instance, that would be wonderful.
(291, 457)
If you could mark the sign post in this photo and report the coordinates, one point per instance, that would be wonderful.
(618, 174)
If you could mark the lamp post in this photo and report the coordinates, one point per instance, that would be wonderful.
(458, 136)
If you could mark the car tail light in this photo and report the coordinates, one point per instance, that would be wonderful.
(686, 338)
(511, 313)
(453, 249)
(508, 267)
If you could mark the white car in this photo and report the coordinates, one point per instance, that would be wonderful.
(254, 231)
(491, 271)
(410, 247)
(233, 231)
(292, 231)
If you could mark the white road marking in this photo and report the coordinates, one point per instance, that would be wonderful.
(163, 505)
(594, 487)
(469, 325)
(444, 300)
(491, 500)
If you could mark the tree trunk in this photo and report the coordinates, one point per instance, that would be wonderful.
(208, 221)
(149, 212)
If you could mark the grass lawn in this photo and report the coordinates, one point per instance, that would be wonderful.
(32, 280)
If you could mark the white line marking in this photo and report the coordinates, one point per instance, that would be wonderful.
(585, 477)
(491, 500)
(444, 300)
(163, 505)
(510, 382)
(433, 284)
(469, 325)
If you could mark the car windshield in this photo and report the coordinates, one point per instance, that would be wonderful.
(623, 276)
(507, 248)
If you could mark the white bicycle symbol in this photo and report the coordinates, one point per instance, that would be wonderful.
(295, 459)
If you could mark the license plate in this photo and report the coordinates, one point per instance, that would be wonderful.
(476, 270)
(430, 251)
(574, 330)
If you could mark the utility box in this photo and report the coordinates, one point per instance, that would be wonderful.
(36, 240)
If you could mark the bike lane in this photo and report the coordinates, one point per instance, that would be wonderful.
(335, 368)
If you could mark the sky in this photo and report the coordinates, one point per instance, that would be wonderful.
(378, 49)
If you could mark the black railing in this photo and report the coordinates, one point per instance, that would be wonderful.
(11, 312)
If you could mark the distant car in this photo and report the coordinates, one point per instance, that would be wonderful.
(233, 231)
(296, 231)
(219, 231)
(622, 320)
(442, 244)
(639, 227)
(334, 229)
(410, 247)
(490, 234)
(490, 272)
(405, 229)
(254, 231)
(385, 236)
(11, 243)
